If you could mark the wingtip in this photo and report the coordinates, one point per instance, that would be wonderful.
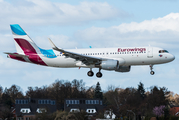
(52, 44)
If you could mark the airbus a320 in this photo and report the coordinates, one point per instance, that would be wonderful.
(118, 59)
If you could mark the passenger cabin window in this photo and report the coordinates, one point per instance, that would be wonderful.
(163, 51)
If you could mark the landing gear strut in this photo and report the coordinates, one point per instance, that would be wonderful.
(151, 68)
(99, 74)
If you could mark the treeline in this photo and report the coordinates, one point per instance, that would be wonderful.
(122, 101)
(131, 101)
(59, 91)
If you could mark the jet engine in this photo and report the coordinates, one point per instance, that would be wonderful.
(123, 69)
(111, 64)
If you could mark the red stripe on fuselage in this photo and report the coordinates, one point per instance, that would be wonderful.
(29, 51)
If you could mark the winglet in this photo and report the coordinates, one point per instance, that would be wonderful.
(54, 46)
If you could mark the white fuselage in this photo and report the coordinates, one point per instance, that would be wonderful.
(150, 56)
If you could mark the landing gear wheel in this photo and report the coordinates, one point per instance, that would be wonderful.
(151, 68)
(152, 72)
(90, 73)
(99, 74)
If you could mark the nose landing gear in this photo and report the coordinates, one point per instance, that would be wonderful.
(152, 72)
(151, 68)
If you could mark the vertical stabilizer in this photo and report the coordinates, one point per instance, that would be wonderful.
(24, 44)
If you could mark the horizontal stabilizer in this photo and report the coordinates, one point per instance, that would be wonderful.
(15, 54)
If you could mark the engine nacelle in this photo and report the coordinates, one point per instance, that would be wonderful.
(123, 69)
(109, 65)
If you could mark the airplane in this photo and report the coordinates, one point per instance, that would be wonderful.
(118, 59)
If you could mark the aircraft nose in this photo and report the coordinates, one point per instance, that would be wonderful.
(172, 57)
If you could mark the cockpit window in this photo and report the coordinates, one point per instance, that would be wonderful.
(163, 51)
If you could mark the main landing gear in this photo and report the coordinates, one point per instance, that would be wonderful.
(90, 73)
(151, 68)
(98, 74)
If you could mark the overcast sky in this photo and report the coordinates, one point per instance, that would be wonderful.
(102, 23)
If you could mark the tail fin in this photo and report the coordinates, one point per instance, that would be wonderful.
(24, 44)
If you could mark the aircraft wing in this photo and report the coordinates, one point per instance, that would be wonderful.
(84, 58)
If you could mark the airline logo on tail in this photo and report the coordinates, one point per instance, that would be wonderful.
(17, 30)
(27, 50)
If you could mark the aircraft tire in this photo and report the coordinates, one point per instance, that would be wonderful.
(99, 74)
(90, 73)
(152, 72)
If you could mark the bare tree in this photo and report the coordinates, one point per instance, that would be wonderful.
(1, 92)
(15, 92)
